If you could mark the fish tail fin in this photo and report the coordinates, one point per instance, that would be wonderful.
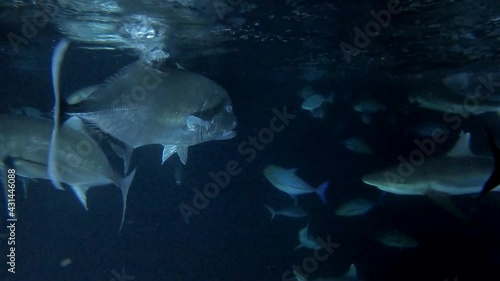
(321, 191)
(57, 58)
(494, 179)
(124, 187)
(330, 98)
(271, 210)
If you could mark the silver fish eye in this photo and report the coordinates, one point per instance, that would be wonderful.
(229, 108)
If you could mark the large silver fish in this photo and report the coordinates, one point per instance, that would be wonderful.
(79, 160)
(142, 105)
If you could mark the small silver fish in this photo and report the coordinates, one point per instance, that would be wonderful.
(357, 145)
(396, 238)
(293, 211)
(315, 101)
(307, 240)
(355, 207)
(288, 182)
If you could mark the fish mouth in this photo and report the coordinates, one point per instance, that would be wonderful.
(227, 135)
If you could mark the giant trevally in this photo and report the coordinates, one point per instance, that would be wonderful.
(458, 172)
(142, 105)
(287, 181)
(79, 160)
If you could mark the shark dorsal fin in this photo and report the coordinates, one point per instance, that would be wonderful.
(352, 273)
(462, 146)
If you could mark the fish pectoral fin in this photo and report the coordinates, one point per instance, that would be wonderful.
(182, 151)
(168, 150)
(80, 191)
(192, 122)
(444, 200)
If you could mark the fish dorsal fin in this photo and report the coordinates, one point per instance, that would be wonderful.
(462, 146)
(118, 75)
(353, 272)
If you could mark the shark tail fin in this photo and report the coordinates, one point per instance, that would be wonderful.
(352, 272)
(271, 210)
(57, 59)
(124, 187)
(494, 179)
(321, 191)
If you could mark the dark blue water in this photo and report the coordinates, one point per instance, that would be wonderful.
(233, 238)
